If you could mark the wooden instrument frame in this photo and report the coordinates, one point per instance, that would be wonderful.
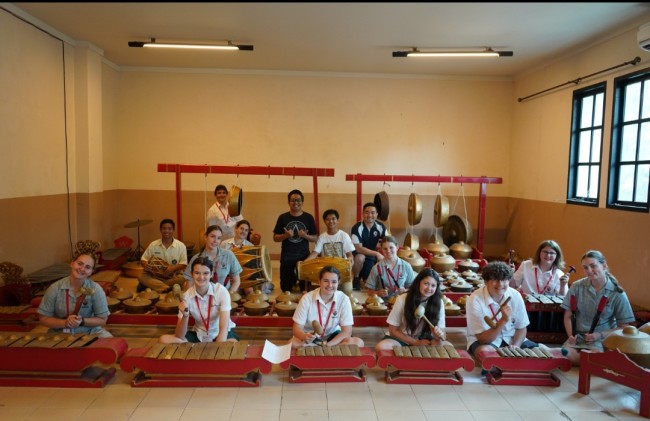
(414, 370)
(154, 372)
(330, 369)
(61, 367)
(519, 371)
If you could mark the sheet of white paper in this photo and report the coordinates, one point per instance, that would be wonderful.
(276, 354)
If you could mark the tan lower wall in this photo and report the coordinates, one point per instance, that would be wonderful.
(621, 236)
(36, 229)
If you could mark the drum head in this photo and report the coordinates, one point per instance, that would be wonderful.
(456, 229)
(381, 203)
(235, 201)
(414, 209)
(441, 211)
(266, 265)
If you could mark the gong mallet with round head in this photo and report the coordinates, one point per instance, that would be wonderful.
(318, 330)
(492, 321)
(419, 314)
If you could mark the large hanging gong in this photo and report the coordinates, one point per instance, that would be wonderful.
(456, 229)
(414, 209)
(441, 211)
(412, 241)
(235, 201)
(381, 203)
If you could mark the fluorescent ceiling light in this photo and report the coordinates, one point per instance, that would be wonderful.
(486, 52)
(226, 46)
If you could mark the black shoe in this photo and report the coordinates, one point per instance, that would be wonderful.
(356, 284)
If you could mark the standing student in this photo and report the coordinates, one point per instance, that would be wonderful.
(294, 229)
(335, 242)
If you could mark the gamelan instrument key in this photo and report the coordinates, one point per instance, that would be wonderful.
(338, 363)
(433, 364)
(58, 359)
(523, 367)
(203, 364)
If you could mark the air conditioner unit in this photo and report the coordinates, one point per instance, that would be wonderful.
(643, 37)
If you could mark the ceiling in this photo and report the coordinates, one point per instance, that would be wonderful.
(341, 37)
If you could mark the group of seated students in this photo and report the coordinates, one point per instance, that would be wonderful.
(76, 304)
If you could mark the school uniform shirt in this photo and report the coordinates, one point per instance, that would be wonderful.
(331, 316)
(175, 254)
(59, 301)
(396, 318)
(225, 265)
(617, 310)
(532, 280)
(220, 216)
(206, 309)
(368, 238)
(384, 275)
(480, 304)
(337, 245)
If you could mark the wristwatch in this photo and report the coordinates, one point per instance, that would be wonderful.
(182, 314)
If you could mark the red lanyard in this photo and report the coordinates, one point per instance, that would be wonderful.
(320, 318)
(226, 216)
(206, 323)
(67, 303)
(549, 280)
(389, 274)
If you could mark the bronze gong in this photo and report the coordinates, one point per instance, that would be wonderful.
(456, 229)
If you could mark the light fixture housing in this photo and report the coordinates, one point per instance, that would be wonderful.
(485, 52)
(154, 44)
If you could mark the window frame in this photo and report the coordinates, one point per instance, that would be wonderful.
(574, 151)
(618, 110)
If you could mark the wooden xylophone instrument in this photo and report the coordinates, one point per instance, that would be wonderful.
(526, 367)
(338, 363)
(424, 364)
(58, 359)
(197, 364)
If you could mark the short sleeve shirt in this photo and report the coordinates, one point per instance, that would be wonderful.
(331, 316)
(396, 318)
(199, 308)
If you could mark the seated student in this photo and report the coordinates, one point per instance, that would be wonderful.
(404, 328)
(365, 236)
(227, 266)
(209, 305)
(242, 231)
(76, 304)
(598, 286)
(334, 242)
(173, 252)
(511, 322)
(543, 273)
(391, 275)
(330, 308)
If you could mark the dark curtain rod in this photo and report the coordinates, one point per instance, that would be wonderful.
(580, 79)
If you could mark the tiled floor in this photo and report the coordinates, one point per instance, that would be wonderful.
(277, 399)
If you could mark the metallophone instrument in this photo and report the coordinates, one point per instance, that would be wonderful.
(203, 364)
(424, 364)
(617, 367)
(338, 363)
(523, 367)
(58, 359)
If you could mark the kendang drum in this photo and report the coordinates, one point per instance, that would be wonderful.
(255, 262)
(310, 270)
(157, 267)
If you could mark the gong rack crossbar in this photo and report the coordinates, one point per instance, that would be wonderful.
(481, 181)
(180, 169)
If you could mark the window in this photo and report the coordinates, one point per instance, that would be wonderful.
(586, 145)
(629, 171)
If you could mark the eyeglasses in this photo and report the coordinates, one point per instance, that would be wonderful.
(549, 253)
(295, 200)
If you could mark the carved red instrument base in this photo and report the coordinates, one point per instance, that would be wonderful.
(325, 369)
(412, 370)
(61, 367)
(523, 371)
(196, 373)
(618, 368)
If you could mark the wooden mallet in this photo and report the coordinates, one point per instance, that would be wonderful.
(318, 330)
(492, 321)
